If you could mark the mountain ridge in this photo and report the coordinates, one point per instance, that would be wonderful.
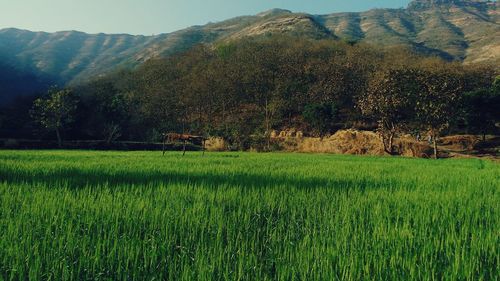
(454, 29)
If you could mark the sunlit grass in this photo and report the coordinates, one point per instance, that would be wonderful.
(79, 215)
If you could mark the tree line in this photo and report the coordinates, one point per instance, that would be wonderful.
(243, 90)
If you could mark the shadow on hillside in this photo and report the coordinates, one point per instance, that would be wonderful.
(73, 178)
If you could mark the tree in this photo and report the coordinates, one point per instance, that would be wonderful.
(438, 100)
(481, 107)
(105, 107)
(320, 117)
(55, 111)
(159, 96)
(389, 100)
(243, 90)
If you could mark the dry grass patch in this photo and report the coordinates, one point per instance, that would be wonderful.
(215, 144)
(344, 142)
(355, 142)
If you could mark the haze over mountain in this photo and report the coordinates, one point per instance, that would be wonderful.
(466, 30)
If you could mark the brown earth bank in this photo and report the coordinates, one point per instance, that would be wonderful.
(354, 142)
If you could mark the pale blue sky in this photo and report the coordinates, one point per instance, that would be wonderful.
(156, 16)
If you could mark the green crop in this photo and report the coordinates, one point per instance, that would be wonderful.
(79, 215)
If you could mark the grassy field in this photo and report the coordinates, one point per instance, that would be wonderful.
(79, 215)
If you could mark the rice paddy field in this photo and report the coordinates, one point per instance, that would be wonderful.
(82, 215)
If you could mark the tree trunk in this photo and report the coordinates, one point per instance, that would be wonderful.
(484, 136)
(268, 133)
(224, 117)
(163, 148)
(388, 144)
(391, 143)
(59, 140)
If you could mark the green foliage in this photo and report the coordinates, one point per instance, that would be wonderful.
(55, 111)
(106, 106)
(245, 216)
(251, 87)
(496, 85)
(320, 117)
(482, 109)
(225, 50)
(438, 102)
(390, 100)
(244, 88)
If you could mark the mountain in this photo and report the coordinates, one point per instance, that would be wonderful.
(454, 29)
(20, 82)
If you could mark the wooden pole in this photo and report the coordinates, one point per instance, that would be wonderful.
(203, 144)
(184, 148)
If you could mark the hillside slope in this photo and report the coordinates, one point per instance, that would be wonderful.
(454, 29)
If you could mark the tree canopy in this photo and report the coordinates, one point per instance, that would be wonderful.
(245, 89)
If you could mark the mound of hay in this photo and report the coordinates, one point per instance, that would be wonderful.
(411, 148)
(362, 143)
(286, 134)
(345, 142)
(342, 142)
(459, 142)
(215, 144)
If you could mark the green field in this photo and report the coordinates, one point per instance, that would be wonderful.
(79, 215)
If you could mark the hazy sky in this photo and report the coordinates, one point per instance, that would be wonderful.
(156, 16)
